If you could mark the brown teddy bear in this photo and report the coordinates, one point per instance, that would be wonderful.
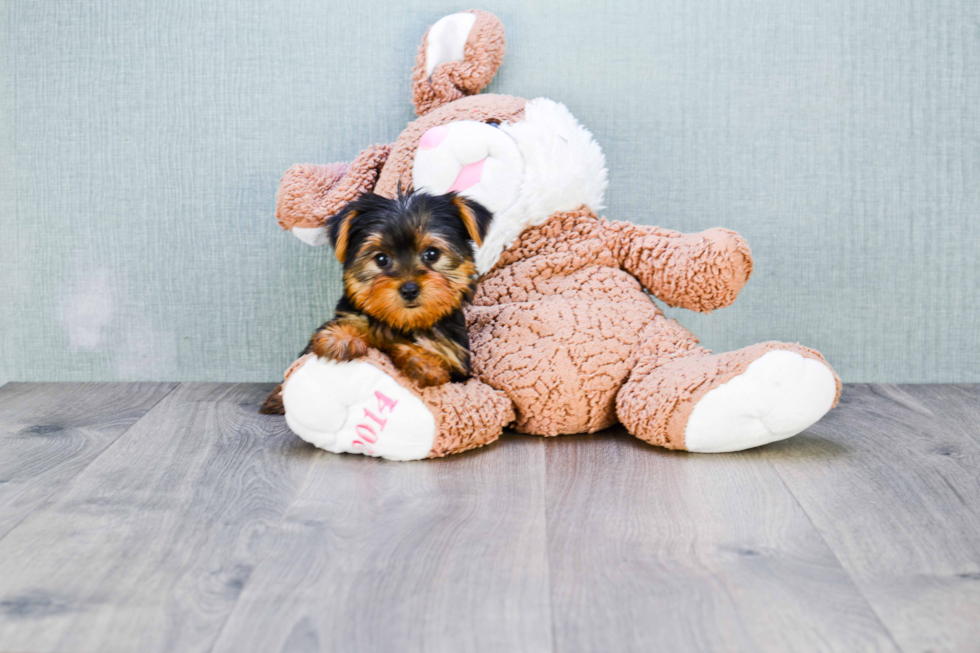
(564, 337)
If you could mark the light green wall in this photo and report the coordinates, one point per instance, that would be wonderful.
(142, 144)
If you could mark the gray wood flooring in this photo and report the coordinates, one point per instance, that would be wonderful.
(165, 517)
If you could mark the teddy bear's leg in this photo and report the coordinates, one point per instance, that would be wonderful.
(366, 406)
(712, 403)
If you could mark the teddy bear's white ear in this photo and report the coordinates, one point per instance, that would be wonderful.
(447, 39)
(459, 56)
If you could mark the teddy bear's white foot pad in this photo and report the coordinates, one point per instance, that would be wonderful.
(357, 408)
(779, 395)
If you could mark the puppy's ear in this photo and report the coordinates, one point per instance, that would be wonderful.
(476, 218)
(338, 228)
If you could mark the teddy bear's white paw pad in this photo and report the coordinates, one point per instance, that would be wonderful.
(779, 395)
(357, 408)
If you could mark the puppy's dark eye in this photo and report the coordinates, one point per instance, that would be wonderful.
(382, 261)
(430, 255)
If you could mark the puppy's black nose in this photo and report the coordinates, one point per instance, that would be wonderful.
(409, 290)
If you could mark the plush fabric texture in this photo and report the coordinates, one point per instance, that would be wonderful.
(563, 319)
(445, 41)
(467, 415)
(658, 399)
(563, 334)
(700, 272)
(356, 408)
(483, 54)
(564, 168)
(778, 395)
(309, 194)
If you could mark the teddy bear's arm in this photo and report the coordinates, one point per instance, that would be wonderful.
(309, 194)
(700, 272)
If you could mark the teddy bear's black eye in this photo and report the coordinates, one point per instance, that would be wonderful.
(430, 255)
(382, 261)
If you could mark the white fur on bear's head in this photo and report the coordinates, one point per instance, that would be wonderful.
(523, 171)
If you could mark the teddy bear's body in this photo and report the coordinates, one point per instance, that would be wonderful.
(564, 337)
(566, 287)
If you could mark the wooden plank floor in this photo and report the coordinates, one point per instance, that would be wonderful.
(163, 517)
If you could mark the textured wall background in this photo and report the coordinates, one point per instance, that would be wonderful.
(142, 144)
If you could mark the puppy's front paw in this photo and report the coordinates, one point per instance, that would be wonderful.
(423, 367)
(338, 343)
(427, 375)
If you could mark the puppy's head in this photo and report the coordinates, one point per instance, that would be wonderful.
(408, 261)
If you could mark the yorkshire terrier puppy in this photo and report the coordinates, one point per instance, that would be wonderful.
(408, 271)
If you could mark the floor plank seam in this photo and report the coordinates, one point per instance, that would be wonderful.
(840, 563)
(944, 418)
(47, 500)
(547, 540)
(261, 561)
(160, 542)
